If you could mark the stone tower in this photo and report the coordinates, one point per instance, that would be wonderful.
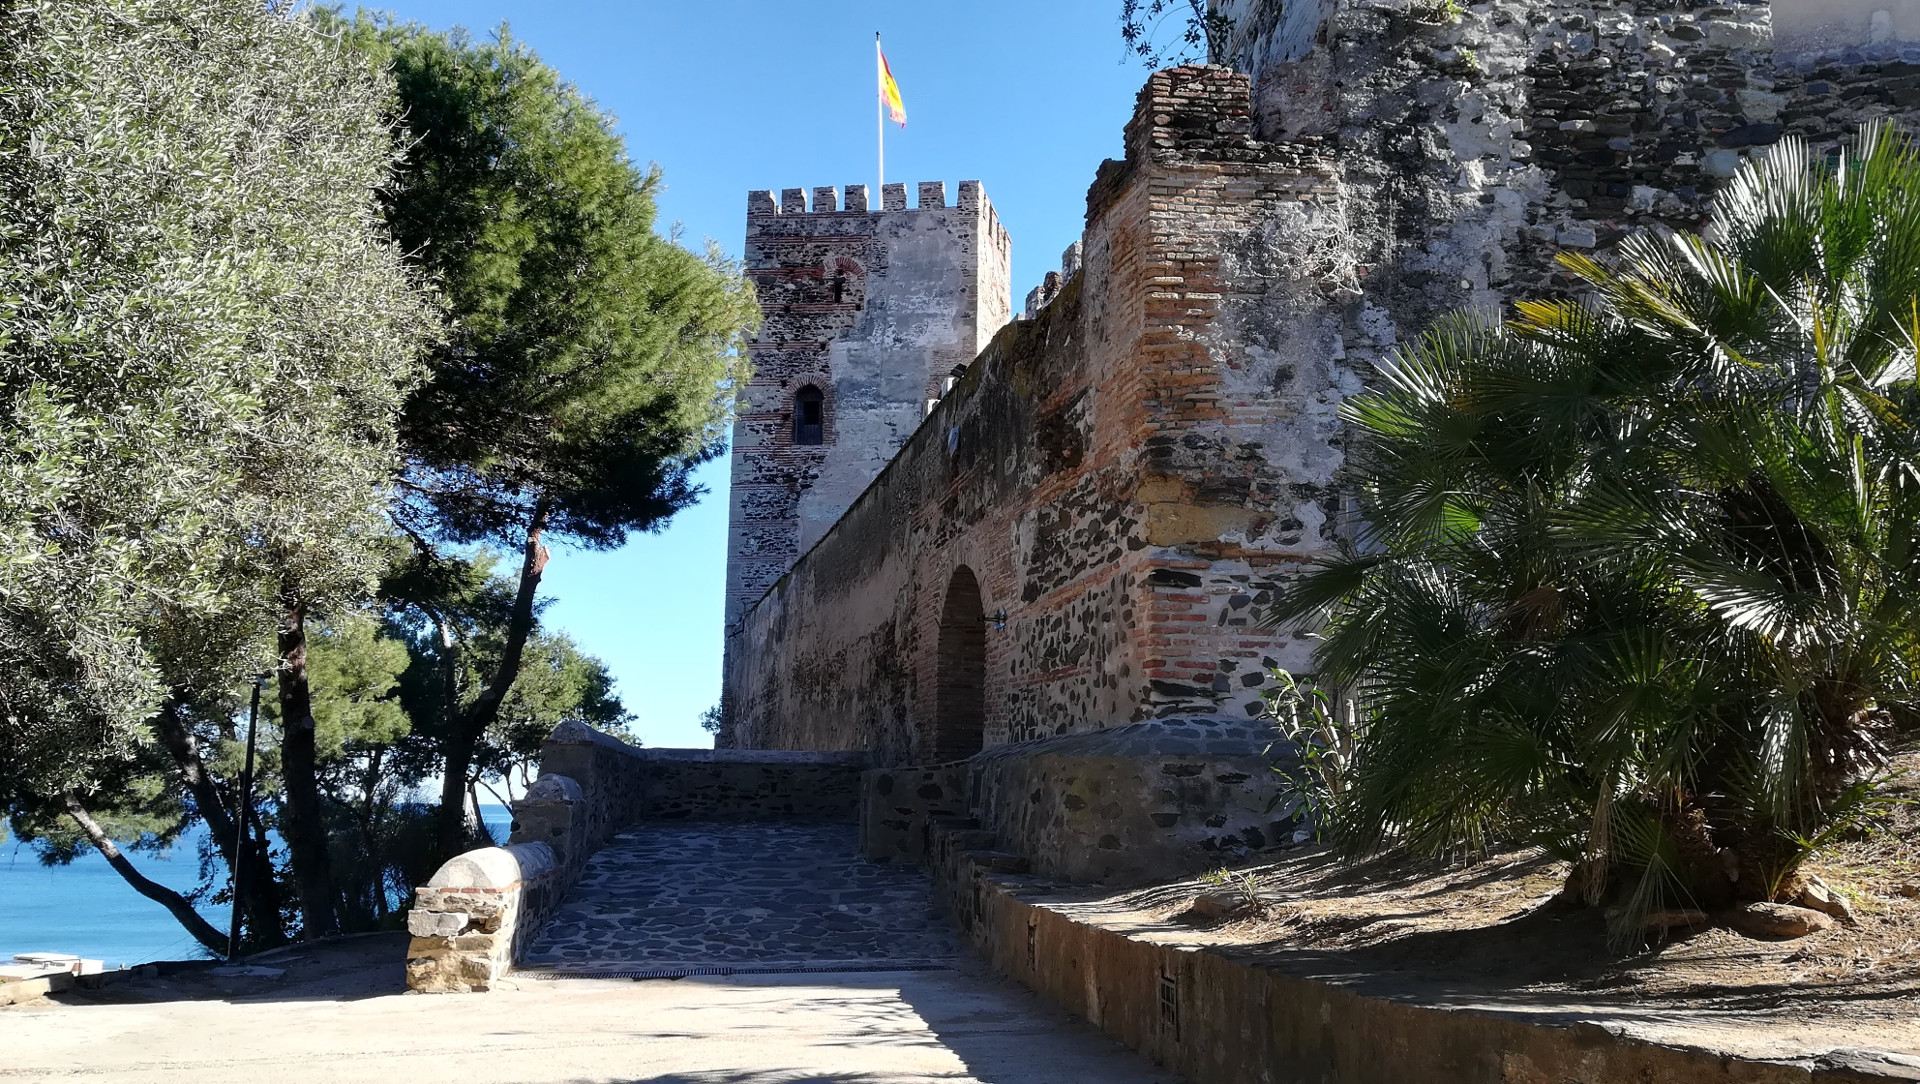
(867, 313)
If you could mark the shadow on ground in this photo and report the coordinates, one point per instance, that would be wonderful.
(338, 969)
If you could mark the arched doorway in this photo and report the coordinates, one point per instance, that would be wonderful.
(960, 672)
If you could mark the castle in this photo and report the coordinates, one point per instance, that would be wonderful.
(995, 585)
(1052, 541)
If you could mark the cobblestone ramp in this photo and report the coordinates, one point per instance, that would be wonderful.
(741, 897)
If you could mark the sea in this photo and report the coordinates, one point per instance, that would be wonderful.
(86, 909)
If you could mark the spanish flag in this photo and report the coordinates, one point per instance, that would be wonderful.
(890, 90)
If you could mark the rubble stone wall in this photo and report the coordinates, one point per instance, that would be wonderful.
(899, 806)
(1161, 798)
(1129, 473)
(1210, 1015)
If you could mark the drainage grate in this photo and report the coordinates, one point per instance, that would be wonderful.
(682, 971)
(1170, 1007)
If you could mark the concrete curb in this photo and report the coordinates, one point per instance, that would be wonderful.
(25, 990)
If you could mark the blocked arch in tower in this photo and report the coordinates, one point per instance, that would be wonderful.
(960, 672)
(809, 415)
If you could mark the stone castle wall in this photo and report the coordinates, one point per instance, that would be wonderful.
(1109, 474)
(1129, 472)
(1476, 143)
(873, 307)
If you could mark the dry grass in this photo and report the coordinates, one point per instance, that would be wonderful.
(1494, 925)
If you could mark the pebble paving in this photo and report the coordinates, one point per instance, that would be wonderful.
(746, 895)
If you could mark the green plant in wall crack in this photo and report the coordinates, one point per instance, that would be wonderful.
(1321, 742)
(1439, 12)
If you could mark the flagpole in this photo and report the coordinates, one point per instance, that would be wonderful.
(880, 119)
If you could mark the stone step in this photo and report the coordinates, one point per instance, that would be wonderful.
(972, 839)
(1000, 861)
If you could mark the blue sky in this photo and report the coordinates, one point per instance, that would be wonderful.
(731, 95)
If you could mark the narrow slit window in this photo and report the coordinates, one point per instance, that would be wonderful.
(809, 416)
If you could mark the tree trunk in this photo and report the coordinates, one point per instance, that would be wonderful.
(176, 904)
(259, 890)
(466, 727)
(304, 828)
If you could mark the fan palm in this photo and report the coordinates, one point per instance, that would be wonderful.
(1639, 573)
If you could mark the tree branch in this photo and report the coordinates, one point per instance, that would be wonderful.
(176, 904)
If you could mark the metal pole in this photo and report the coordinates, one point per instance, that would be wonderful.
(880, 116)
(245, 806)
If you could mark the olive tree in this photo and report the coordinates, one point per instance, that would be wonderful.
(206, 338)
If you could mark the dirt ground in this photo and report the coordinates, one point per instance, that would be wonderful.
(1491, 932)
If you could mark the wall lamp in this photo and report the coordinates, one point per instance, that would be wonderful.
(998, 619)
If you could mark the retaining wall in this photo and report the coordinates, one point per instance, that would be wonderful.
(1163, 798)
(1224, 1020)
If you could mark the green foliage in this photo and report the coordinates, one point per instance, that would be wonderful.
(1640, 580)
(1244, 886)
(1323, 738)
(558, 683)
(591, 362)
(1199, 35)
(355, 666)
(1440, 11)
(453, 615)
(207, 337)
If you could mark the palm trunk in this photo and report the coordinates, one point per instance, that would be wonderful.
(176, 904)
(258, 888)
(466, 727)
(305, 830)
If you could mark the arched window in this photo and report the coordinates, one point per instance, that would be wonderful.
(809, 416)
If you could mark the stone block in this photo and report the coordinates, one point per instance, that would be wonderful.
(436, 923)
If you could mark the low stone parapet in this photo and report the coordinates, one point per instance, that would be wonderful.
(898, 807)
(472, 922)
(751, 784)
(1153, 799)
(1212, 1015)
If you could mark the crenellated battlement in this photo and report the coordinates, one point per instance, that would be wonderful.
(1042, 295)
(827, 199)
